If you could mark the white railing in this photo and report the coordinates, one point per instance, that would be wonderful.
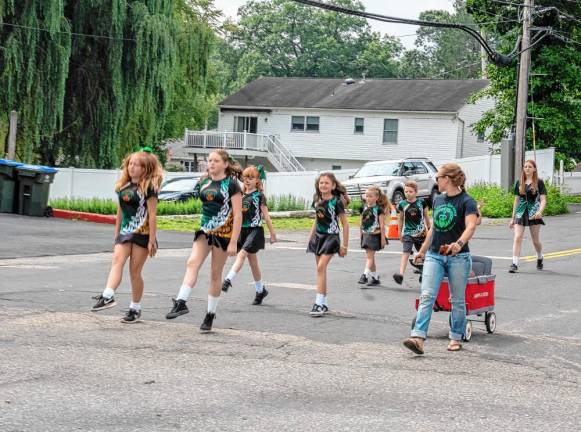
(276, 152)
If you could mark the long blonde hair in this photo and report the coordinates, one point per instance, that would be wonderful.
(523, 178)
(152, 172)
(454, 172)
(339, 191)
(382, 199)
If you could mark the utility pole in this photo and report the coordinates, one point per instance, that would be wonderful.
(523, 90)
(11, 153)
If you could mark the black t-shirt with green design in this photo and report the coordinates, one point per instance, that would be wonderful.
(449, 219)
(216, 196)
(414, 222)
(327, 213)
(251, 212)
(530, 201)
(133, 203)
(370, 219)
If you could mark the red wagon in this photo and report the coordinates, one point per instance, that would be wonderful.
(479, 297)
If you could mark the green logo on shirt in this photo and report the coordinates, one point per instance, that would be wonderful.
(444, 217)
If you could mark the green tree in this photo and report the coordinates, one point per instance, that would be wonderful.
(555, 84)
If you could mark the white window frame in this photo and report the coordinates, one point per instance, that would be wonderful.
(362, 125)
(396, 131)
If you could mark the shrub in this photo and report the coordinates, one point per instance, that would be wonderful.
(109, 207)
(286, 203)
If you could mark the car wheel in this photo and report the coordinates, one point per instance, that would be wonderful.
(397, 197)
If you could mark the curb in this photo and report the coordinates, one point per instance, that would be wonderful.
(88, 217)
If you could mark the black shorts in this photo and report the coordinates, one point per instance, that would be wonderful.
(137, 239)
(324, 244)
(525, 221)
(409, 242)
(371, 242)
(213, 240)
(251, 239)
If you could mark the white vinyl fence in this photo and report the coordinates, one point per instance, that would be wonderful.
(90, 183)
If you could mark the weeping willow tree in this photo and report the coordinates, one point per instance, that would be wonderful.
(124, 69)
(33, 71)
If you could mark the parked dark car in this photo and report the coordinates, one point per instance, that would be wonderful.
(179, 188)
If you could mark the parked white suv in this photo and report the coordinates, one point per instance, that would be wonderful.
(391, 176)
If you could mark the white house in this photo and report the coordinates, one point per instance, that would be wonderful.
(313, 123)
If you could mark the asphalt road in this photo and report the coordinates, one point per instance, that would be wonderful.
(273, 367)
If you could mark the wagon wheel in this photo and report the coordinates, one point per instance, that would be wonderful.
(467, 332)
(490, 322)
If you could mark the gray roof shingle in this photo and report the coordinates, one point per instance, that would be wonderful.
(372, 94)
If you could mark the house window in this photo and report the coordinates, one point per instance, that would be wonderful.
(335, 167)
(359, 125)
(245, 124)
(480, 136)
(313, 124)
(390, 127)
(298, 123)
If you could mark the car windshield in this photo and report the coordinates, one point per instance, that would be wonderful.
(370, 170)
(179, 185)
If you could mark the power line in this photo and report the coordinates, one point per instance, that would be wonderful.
(94, 36)
(454, 70)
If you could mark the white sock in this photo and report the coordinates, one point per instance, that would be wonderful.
(212, 304)
(325, 300)
(540, 255)
(373, 275)
(184, 293)
(108, 293)
(259, 287)
(515, 260)
(231, 275)
(366, 272)
(320, 299)
(135, 306)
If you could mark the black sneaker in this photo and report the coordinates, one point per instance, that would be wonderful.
(398, 278)
(179, 308)
(260, 296)
(207, 324)
(318, 310)
(540, 264)
(363, 279)
(131, 317)
(513, 268)
(417, 271)
(226, 285)
(103, 303)
(373, 281)
(325, 309)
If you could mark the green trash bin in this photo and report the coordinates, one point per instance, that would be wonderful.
(8, 185)
(33, 187)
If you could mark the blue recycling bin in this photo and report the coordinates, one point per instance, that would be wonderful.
(33, 188)
(8, 181)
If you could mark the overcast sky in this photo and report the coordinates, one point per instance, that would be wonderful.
(398, 8)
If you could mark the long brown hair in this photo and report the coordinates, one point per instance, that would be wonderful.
(454, 172)
(382, 199)
(152, 172)
(523, 178)
(252, 171)
(233, 168)
(339, 190)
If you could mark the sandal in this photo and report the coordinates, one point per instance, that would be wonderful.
(414, 344)
(454, 345)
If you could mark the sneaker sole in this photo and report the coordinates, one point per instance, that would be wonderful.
(316, 314)
(131, 322)
(176, 314)
(206, 331)
(107, 306)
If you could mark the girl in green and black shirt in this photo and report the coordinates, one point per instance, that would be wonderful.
(218, 234)
(329, 203)
(135, 228)
(373, 232)
(254, 213)
(529, 203)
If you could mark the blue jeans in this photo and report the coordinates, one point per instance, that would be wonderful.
(458, 269)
